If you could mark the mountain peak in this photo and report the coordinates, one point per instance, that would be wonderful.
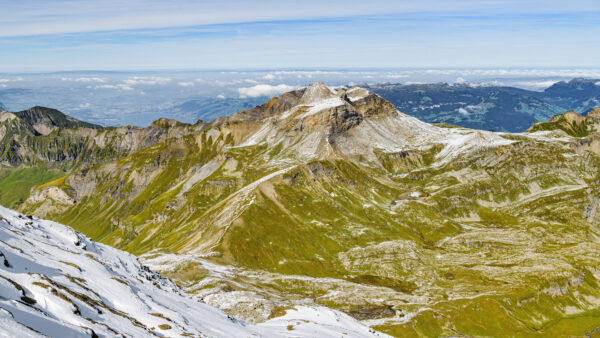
(572, 123)
(316, 95)
(316, 92)
(164, 122)
(5, 115)
(45, 120)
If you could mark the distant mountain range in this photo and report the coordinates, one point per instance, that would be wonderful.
(489, 107)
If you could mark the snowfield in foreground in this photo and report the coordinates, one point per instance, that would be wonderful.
(56, 282)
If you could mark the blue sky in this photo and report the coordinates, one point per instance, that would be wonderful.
(232, 34)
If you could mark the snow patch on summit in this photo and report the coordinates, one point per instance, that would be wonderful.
(322, 105)
(463, 141)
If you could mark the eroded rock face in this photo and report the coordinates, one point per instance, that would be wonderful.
(375, 106)
(54, 194)
(50, 200)
(589, 143)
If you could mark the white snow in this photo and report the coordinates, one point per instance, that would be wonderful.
(56, 282)
(321, 105)
(318, 322)
(264, 131)
(202, 173)
(548, 136)
(464, 141)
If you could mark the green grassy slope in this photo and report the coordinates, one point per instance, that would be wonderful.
(15, 183)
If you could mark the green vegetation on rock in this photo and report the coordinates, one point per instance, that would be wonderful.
(16, 183)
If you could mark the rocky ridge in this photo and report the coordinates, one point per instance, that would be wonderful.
(43, 136)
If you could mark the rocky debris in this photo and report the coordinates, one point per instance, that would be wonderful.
(51, 193)
(372, 312)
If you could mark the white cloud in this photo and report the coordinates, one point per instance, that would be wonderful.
(119, 86)
(269, 77)
(597, 83)
(396, 76)
(186, 84)
(220, 96)
(85, 105)
(264, 90)
(536, 84)
(516, 72)
(463, 111)
(17, 79)
(308, 72)
(484, 84)
(83, 79)
(460, 80)
(147, 80)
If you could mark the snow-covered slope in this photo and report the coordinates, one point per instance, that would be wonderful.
(56, 282)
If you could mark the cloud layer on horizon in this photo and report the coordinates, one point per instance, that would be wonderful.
(264, 90)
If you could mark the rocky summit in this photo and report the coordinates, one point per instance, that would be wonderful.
(331, 197)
